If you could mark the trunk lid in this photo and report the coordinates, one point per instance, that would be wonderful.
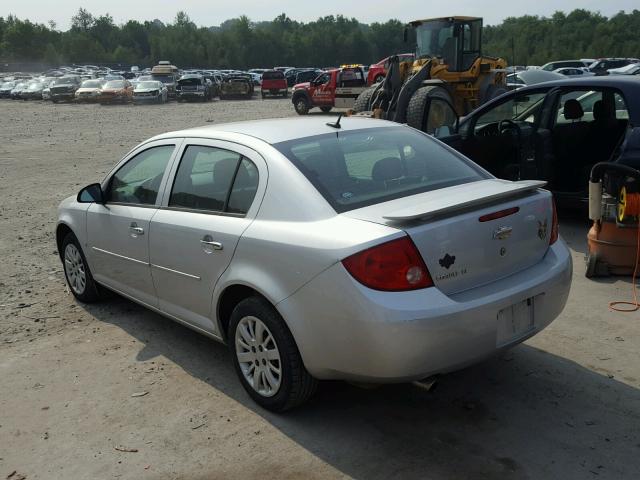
(460, 250)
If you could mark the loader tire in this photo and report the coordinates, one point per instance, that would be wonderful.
(362, 102)
(416, 111)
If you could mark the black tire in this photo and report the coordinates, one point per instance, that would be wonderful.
(416, 114)
(378, 78)
(91, 291)
(493, 91)
(301, 105)
(263, 95)
(362, 102)
(285, 94)
(326, 109)
(296, 384)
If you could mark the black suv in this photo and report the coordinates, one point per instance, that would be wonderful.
(604, 64)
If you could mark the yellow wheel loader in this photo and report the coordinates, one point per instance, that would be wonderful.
(448, 78)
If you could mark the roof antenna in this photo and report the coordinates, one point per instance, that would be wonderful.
(337, 124)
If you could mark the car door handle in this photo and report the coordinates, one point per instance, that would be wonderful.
(135, 229)
(208, 244)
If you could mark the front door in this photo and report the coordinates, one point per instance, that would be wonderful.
(195, 232)
(118, 231)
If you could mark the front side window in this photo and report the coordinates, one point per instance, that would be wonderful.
(365, 167)
(138, 180)
(205, 177)
(524, 107)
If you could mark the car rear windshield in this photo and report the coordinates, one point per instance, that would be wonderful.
(273, 75)
(91, 84)
(358, 168)
(114, 84)
(146, 84)
(65, 81)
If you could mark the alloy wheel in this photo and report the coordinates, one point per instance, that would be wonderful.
(74, 269)
(258, 356)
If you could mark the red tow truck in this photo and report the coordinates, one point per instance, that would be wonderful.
(337, 88)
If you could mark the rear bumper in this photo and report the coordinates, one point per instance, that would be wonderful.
(347, 331)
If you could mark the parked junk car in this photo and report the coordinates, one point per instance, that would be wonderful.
(216, 80)
(16, 91)
(235, 85)
(167, 74)
(6, 88)
(336, 88)
(89, 91)
(321, 253)
(631, 69)
(64, 88)
(551, 66)
(193, 87)
(116, 91)
(274, 83)
(33, 91)
(46, 91)
(574, 72)
(552, 131)
(601, 66)
(150, 91)
(378, 71)
(531, 77)
(291, 75)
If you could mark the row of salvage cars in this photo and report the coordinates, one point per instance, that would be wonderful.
(116, 89)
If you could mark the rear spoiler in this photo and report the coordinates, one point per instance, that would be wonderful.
(461, 197)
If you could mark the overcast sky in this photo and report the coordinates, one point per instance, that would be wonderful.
(213, 12)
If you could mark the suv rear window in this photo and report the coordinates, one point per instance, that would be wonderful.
(358, 168)
(275, 75)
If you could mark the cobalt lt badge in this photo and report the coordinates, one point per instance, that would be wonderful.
(542, 229)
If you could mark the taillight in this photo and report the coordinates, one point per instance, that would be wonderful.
(554, 224)
(391, 266)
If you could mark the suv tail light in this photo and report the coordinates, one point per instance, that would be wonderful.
(392, 266)
(553, 237)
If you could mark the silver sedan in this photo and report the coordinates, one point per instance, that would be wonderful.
(360, 250)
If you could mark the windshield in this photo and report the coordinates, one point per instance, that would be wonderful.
(431, 38)
(114, 84)
(164, 78)
(147, 84)
(91, 84)
(35, 86)
(358, 168)
(63, 81)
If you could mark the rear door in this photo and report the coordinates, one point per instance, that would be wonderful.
(212, 197)
(118, 231)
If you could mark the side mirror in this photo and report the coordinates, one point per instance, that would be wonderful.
(90, 194)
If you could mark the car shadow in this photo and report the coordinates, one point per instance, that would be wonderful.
(525, 414)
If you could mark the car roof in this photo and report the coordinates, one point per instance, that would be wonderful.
(280, 129)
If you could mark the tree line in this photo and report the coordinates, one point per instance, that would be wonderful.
(330, 40)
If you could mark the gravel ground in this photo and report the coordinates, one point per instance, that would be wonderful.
(563, 405)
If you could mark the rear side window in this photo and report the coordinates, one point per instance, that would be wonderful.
(205, 178)
(355, 169)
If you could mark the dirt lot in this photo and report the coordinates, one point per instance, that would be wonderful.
(564, 405)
